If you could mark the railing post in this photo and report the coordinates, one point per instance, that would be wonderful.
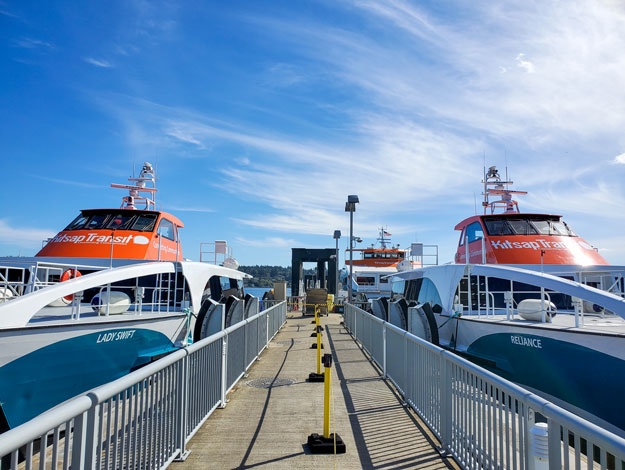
(384, 350)
(181, 421)
(224, 370)
(446, 395)
(84, 439)
(245, 333)
(267, 329)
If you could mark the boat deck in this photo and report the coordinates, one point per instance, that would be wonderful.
(268, 427)
(606, 324)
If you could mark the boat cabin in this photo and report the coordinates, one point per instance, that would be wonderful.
(129, 232)
(513, 237)
(118, 234)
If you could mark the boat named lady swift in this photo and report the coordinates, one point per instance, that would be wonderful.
(96, 303)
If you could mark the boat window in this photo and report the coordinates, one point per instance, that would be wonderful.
(532, 225)
(120, 222)
(97, 221)
(429, 294)
(368, 255)
(475, 232)
(397, 286)
(559, 228)
(522, 227)
(413, 287)
(144, 223)
(77, 223)
(365, 281)
(166, 229)
(383, 280)
(462, 237)
(497, 227)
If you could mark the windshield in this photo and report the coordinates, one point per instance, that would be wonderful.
(122, 220)
(529, 225)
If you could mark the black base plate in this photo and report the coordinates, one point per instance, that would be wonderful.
(314, 377)
(314, 346)
(320, 445)
(313, 335)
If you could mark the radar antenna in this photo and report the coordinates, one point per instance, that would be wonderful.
(494, 186)
(147, 175)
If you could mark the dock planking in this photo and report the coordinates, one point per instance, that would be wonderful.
(268, 427)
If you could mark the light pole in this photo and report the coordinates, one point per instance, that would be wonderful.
(337, 235)
(350, 206)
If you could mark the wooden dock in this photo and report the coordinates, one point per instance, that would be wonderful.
(272, 411)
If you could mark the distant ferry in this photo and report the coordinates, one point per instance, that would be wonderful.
(376, 263)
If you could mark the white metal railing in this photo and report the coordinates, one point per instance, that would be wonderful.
(146, 418)
(481, 419)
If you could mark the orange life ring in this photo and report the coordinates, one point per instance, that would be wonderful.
(66, 276)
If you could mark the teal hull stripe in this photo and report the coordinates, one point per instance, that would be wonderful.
(48, 376)
(581, 376)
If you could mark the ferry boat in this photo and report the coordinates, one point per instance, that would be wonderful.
(108, 294)
(528, 299)
(376, 263)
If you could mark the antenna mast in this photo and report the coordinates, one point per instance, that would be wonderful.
(499, 188)
(147, 175)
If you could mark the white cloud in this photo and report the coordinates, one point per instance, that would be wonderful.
(98, 62)
(25, 237)
(619, 159)
(524, 64)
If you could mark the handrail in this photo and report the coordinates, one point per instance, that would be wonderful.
(453, 396)
(84, 416)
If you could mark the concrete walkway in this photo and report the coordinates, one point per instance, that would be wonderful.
(268, 427)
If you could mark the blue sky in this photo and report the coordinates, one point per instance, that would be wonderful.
(262, 116)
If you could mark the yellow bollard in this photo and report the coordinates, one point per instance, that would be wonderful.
(327, 364)
(319, 345)
(328, 443)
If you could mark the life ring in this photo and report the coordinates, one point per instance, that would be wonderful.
(66, 276)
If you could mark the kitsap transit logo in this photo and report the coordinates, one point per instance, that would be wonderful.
(96, 238)
(538, 244)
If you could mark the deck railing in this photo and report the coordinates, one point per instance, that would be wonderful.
(146, 418)
(481, 419)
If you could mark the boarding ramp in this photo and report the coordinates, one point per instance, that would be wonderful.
(481, 419)
(146, 418)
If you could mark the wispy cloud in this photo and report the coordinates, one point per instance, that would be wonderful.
(98, 62)
(269, 242)
(206, 210)
(25, 237)
(31, 43)
(82, 184)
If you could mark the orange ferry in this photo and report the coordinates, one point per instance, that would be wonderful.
(127, 233)
(513, 237)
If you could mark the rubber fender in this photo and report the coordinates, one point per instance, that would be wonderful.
(201, 317)
(426, 308)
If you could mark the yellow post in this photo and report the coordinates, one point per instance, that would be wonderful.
(318, 350)
(327, 363)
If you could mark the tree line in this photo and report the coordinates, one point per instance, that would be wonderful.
(265, 276)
